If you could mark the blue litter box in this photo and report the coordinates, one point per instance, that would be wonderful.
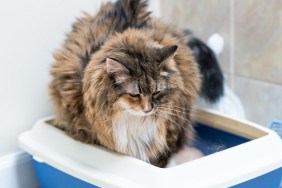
(237, 153)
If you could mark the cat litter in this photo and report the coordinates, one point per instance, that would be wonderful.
(238, 154)
(277, 127)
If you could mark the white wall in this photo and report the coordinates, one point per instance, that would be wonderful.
(30, 31)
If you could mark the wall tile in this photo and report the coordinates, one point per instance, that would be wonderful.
(258, 39)
(257, 47)
(262, 101)
(204, 18)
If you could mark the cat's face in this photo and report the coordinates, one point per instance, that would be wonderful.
(143, 79)
(143, 95)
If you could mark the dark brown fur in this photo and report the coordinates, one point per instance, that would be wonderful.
(86, 95)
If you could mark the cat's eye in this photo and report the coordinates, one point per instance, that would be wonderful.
(155, 94)
(134, 95)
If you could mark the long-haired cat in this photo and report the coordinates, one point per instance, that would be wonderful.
(127, 82)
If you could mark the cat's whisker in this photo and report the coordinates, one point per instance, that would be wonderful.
(158, 116)
(167, 108)
(191, 112)
(172, 106)
(174, 114)
(177, 124)
(194, 115)
(170, 109)
(106, 120)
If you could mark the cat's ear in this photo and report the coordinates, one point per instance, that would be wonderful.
(168, 52)
(117, 70)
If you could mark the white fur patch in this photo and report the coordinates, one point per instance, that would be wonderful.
(164, 73)
(133, 135)
(185, 155)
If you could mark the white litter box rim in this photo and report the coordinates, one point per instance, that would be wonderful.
(103, 168)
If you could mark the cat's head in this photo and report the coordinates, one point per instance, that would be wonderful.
(144, 76)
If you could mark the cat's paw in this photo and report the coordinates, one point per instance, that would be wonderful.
(184, 155)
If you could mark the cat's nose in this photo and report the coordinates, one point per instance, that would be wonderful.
(146, 111)
(147, 105)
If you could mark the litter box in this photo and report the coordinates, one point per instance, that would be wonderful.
(238, 154)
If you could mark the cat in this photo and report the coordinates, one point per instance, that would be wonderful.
(127, 82)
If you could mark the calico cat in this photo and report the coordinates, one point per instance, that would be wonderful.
(126, 81)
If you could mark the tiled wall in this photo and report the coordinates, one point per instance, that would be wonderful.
(252, 55)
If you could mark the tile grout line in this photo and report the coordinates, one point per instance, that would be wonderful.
(232, 43)
(258, 80)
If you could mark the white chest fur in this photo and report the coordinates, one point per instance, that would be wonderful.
(134, 134)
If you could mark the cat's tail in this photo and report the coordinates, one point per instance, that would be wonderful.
(212, 77)
(129, 13)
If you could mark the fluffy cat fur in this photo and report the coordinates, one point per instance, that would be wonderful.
(127, 82)
(212, 88)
